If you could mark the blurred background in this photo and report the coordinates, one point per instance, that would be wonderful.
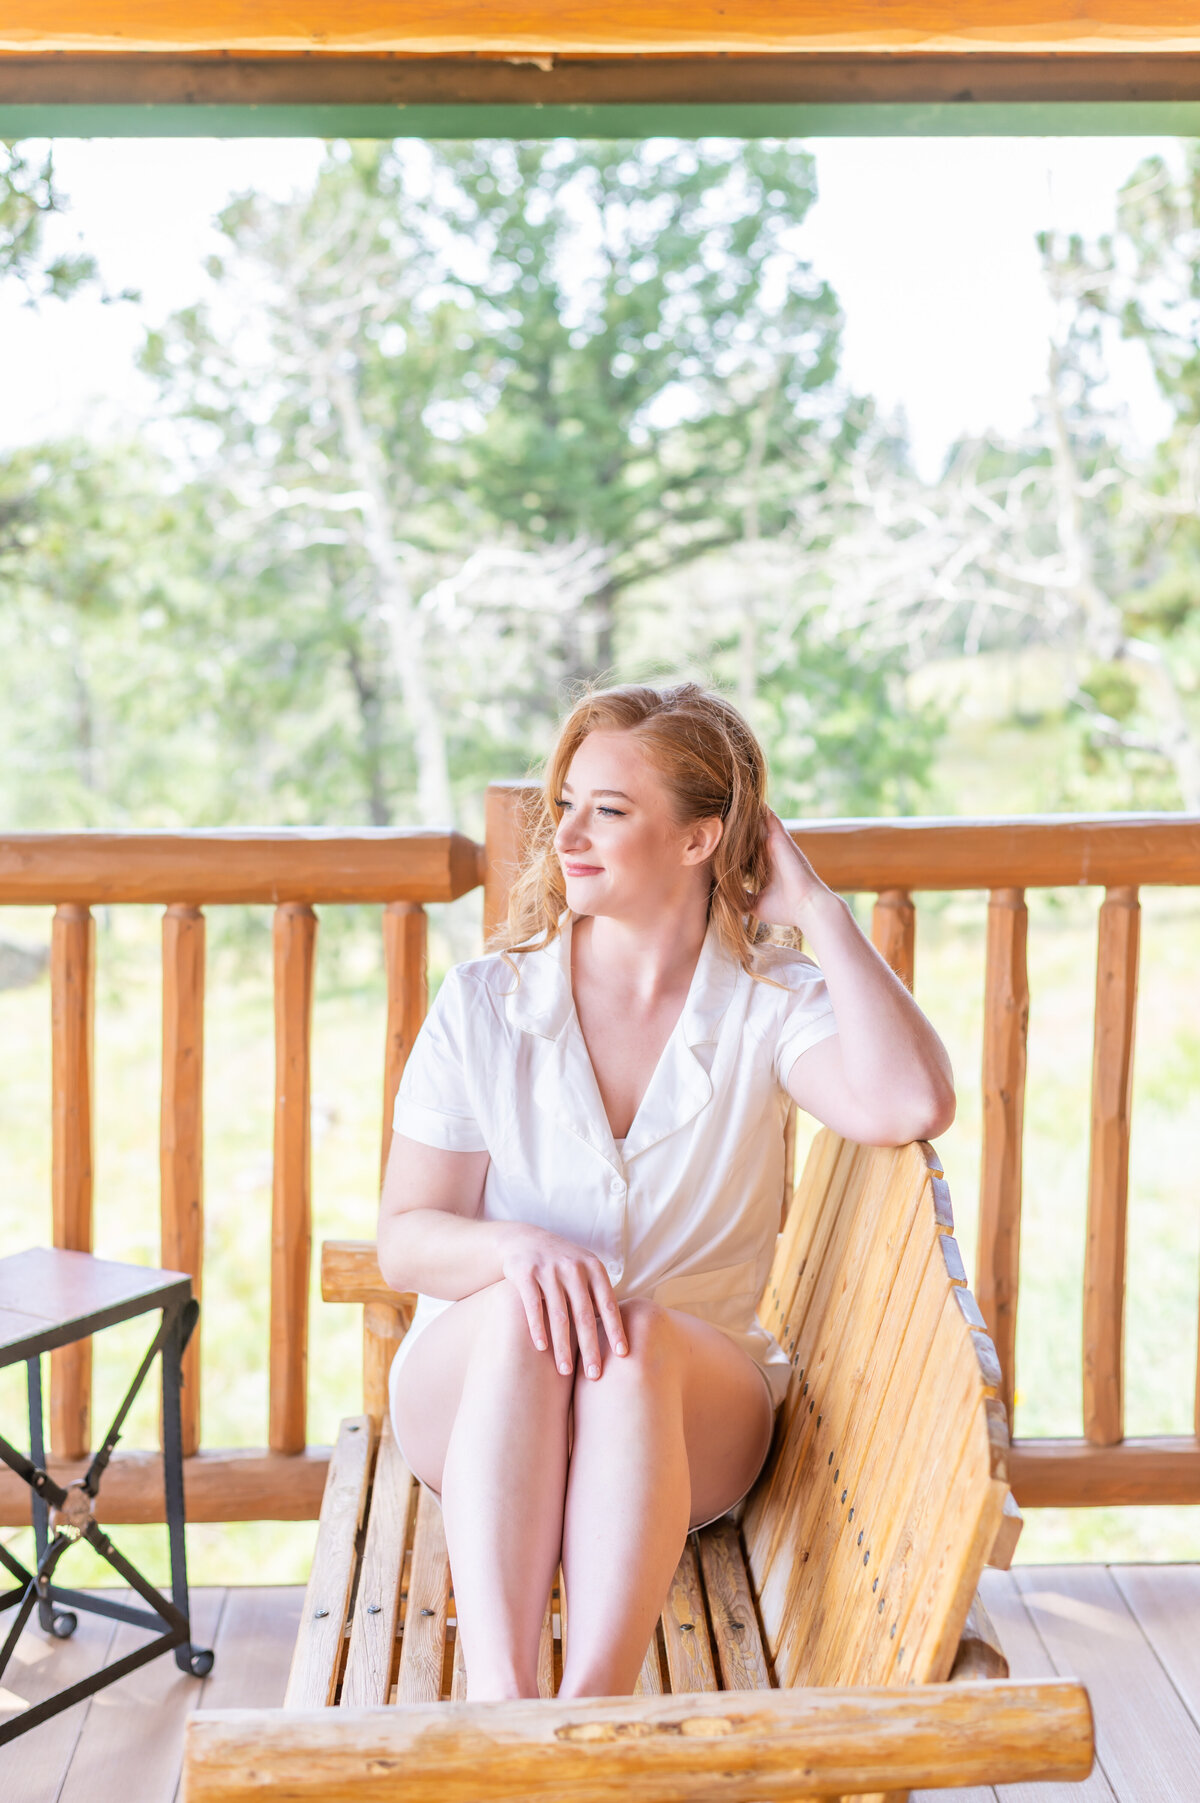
(329, 470)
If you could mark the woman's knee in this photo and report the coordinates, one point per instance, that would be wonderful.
(653, 1358)
(505, 1334)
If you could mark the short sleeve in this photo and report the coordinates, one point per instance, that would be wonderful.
(433, 1101)
(807, 1014)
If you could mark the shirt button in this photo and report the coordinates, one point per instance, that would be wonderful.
(616, 1186)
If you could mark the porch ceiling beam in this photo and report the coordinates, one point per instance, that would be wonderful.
(545, 28)
(819, 79)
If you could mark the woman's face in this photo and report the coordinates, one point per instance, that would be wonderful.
(621, 851)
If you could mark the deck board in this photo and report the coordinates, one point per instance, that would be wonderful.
(1131, 1632)
(1146, 1741)
(35, 1766)
(145, 1711)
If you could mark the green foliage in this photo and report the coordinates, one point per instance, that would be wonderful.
(27, 198)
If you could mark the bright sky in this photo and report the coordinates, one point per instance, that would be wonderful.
(928, 242)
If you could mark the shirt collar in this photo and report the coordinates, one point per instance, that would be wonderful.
(564, 1083)
(542, 1002)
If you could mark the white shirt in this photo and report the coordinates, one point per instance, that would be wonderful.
(686, 1209)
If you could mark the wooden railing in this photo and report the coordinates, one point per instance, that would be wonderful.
(404, 870)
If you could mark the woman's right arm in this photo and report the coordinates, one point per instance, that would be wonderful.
(431, 1239)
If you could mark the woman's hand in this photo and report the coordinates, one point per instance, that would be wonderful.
(573, 1285)
(792, 884)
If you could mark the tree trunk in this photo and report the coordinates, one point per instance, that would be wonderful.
(406, 628)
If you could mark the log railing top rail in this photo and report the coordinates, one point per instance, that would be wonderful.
(311, 864)
(600, 27)
(296, 864)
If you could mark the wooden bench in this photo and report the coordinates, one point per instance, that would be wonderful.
(804, 1650)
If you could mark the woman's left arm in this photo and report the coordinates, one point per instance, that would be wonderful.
(884, 1078)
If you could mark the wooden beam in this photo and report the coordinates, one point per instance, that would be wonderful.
(1108, 1168)
(181, 1133)
(894, 932)
(405, 959)
(825, 78)
(291, 1216)
(1005, 1033)
(1072, 1474)
(72, 1034)
(237, 1485)
(402, 864)
(732, 1745)
(599, 27)
(290, 865)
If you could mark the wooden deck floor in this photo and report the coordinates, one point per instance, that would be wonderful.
(1131, 1632)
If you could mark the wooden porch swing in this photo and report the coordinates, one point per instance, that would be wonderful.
(830, 1643)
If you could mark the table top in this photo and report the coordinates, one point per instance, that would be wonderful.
(49, 1297)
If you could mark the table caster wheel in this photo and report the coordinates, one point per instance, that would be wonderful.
(200, 1663)
(64, 1624)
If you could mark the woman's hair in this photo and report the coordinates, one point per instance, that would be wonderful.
(711, 764)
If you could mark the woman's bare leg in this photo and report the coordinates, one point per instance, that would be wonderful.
(483, 1417)
(668, 1437)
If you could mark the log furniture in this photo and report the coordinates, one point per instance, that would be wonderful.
(828, 1643)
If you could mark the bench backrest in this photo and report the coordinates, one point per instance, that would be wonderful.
(868, 1531)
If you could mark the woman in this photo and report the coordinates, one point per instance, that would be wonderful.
(585, 1177)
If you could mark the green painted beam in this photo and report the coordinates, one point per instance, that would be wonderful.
(966, 119)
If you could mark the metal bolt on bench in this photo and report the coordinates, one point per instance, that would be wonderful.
(49, 1298)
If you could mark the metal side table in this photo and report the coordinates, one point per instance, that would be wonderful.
(48, 1299)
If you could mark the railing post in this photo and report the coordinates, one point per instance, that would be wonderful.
(508, 823)
(72, 1030)
(405, 958)
(1108, 1170)
(1005, 1037)
(181, 1130)
(295, 933)
(894, 932)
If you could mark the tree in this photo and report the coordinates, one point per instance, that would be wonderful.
(658, 359)
(28, 198)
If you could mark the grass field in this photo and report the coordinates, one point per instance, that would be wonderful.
(1164, 1261)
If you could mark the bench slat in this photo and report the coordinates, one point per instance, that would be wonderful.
(368, 1676)
(685, 1630)
(313, 1677)
(741, 1657)
(423, 1646)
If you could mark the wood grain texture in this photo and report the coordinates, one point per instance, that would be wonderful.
(980, 1654)
(741, 1657)
(727, 1746)
(422, 1649)
(894, 932)
(1108, 1170)
(291, 864)
(295, 934)
(1029, 1659)
(368, 1674)
(239, 1484)
(350, 1273)
(319, 1643)
(405, 962)
(823, 77)
(35, 1766)
(383, 1330)
(590, 27)
(1073, 1474)
(72, 1023)
(1005, 1039)
(510, 809)
(181, 1131)
(1004, 1546)
(1146, 1742)
(1165, 1602)
(686, 1642)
